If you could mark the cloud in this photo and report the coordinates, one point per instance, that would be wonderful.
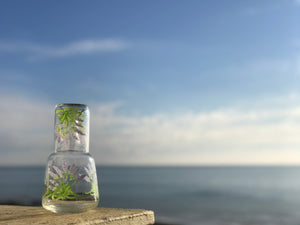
(25, 133)
(82, 47)
(223, 136)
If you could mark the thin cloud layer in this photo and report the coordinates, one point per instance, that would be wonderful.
(26, 135)
(225, 136)
(82, 47)
(216, 137)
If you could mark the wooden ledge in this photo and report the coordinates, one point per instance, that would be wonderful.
(14, 215)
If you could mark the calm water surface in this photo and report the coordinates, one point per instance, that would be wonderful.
(184, 195)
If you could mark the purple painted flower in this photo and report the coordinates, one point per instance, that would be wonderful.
(65, 167)
(90, 172)
(80, 177)
(52, 174)
(79, 131)
(52, 182)
(75, 172)
(72, 168)
(87, 171)
(87, 179)
(75, 136)
(52, 188)
(58, 171)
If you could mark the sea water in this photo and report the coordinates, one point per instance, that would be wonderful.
(181, 195)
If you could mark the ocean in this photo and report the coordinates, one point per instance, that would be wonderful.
(181, 195)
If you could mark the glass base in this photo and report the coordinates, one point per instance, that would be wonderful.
(58, 206)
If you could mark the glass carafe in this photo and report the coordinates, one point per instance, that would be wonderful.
(71, 180)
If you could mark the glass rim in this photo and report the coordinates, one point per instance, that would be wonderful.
(70, 104)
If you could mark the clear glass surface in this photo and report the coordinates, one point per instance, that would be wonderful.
(71, 180)
(72, 127)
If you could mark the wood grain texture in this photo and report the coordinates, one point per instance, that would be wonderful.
(17, 215)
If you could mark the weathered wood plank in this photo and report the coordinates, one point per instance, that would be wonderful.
(17, 215)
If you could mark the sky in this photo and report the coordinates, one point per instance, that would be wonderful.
(176, 83)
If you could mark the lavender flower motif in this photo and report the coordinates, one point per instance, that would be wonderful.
(75, 136)
(79, 131)
(60, 182)
(52, 182)
(80, 178)
(58, 171)
(71, 168)
(51, 188)
(58, 135)
(52, 174)
(70, 121)
(65, 167)
(91, 178)
(74, 170)
(87, 179)
(52, 185)
(90, 173)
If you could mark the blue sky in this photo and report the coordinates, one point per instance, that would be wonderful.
(168, 82)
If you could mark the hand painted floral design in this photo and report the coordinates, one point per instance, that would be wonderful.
(91, 175)
(60, 182)
(70, 121)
